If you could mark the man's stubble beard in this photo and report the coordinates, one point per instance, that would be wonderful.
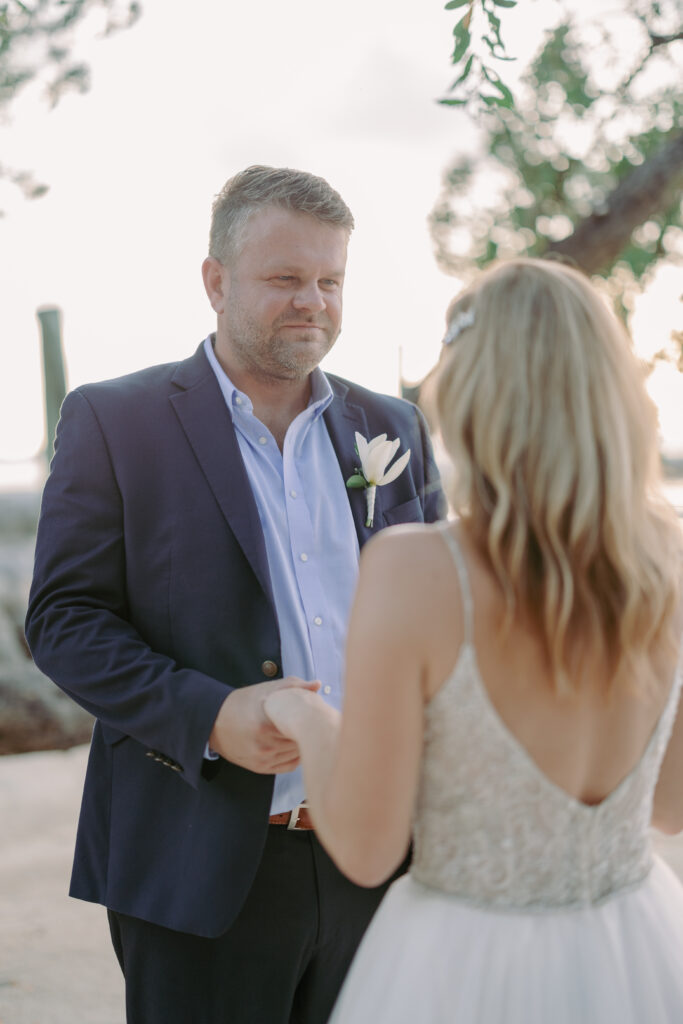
(270, 356)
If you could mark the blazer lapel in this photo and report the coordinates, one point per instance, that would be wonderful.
(343, 419)
(206, 421)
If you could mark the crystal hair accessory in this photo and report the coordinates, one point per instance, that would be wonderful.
(458, 324)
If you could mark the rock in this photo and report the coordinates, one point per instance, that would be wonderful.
(34, 713)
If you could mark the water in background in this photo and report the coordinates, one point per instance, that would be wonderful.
(28, 475)
(674, 492)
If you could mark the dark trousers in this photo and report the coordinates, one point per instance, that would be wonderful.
(281, 962)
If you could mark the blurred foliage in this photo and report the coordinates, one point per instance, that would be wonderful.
(477, 41)
(599, 102)
(36, 45)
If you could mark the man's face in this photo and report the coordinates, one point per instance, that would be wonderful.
(282, 295)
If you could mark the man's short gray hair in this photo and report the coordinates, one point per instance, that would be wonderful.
(259, 186)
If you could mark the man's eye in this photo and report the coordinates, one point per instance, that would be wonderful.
(330, 283)
(285, 277)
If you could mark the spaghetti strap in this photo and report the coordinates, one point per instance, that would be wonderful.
(463, 576)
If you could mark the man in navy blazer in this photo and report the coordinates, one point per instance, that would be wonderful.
(195, 543)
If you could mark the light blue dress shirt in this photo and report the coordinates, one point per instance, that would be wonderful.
(310, 538)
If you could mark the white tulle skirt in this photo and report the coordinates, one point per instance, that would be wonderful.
(427, 958)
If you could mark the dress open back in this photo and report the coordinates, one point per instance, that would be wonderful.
(523, 905)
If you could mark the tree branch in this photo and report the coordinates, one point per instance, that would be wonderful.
(656, 40)
(649, 188)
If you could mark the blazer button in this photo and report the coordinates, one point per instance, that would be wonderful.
(269, 669)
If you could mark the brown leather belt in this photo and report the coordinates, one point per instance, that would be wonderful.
(298, 820)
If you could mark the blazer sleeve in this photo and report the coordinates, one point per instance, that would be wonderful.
(78, 627)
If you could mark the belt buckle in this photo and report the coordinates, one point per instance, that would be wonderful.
(294, 817)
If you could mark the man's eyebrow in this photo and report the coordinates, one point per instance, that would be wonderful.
(293, 268)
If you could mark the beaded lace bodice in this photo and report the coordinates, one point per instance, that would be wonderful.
(493, 830)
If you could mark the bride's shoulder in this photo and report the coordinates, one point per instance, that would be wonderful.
(406, 542)
(411, 555)
(408, 586)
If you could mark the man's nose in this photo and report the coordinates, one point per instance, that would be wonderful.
(309, 296)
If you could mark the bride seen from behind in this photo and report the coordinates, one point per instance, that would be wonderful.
(511, 691)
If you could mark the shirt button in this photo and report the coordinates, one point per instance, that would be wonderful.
(238, 400)
(292, 494)
(269, 668)
(327, 689)
(318, 621)
(303, 556)
(263, 440)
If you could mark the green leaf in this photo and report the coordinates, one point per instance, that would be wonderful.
(502, 88)
(455, 3)
(465, 72)
(460, 47)
(494, 25)
(356, 481)
(505, 3)
(450, 103)
(491, 251)
(462, 26)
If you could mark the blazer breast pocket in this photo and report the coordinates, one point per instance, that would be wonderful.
(408, 512)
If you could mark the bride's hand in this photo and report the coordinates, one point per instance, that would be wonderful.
(287, 708)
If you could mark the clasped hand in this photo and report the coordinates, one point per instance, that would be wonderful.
(255, 736)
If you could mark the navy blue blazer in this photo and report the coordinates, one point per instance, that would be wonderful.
(151, 599)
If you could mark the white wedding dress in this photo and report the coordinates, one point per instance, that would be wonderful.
(523, 905)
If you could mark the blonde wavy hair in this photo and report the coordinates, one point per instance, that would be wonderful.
(543, 410)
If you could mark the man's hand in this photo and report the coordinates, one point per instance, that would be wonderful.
(243, 733)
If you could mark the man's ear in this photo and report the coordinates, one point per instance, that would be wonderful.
(214, 274)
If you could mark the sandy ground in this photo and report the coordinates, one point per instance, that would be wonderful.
(56, 962)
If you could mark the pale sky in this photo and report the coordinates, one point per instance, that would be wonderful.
(187, 97)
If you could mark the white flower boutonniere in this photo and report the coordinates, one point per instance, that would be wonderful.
(375, 456)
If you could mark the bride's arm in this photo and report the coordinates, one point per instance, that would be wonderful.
(361, 773)
(667, 811)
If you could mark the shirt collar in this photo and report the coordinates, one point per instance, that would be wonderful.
(321, 392)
